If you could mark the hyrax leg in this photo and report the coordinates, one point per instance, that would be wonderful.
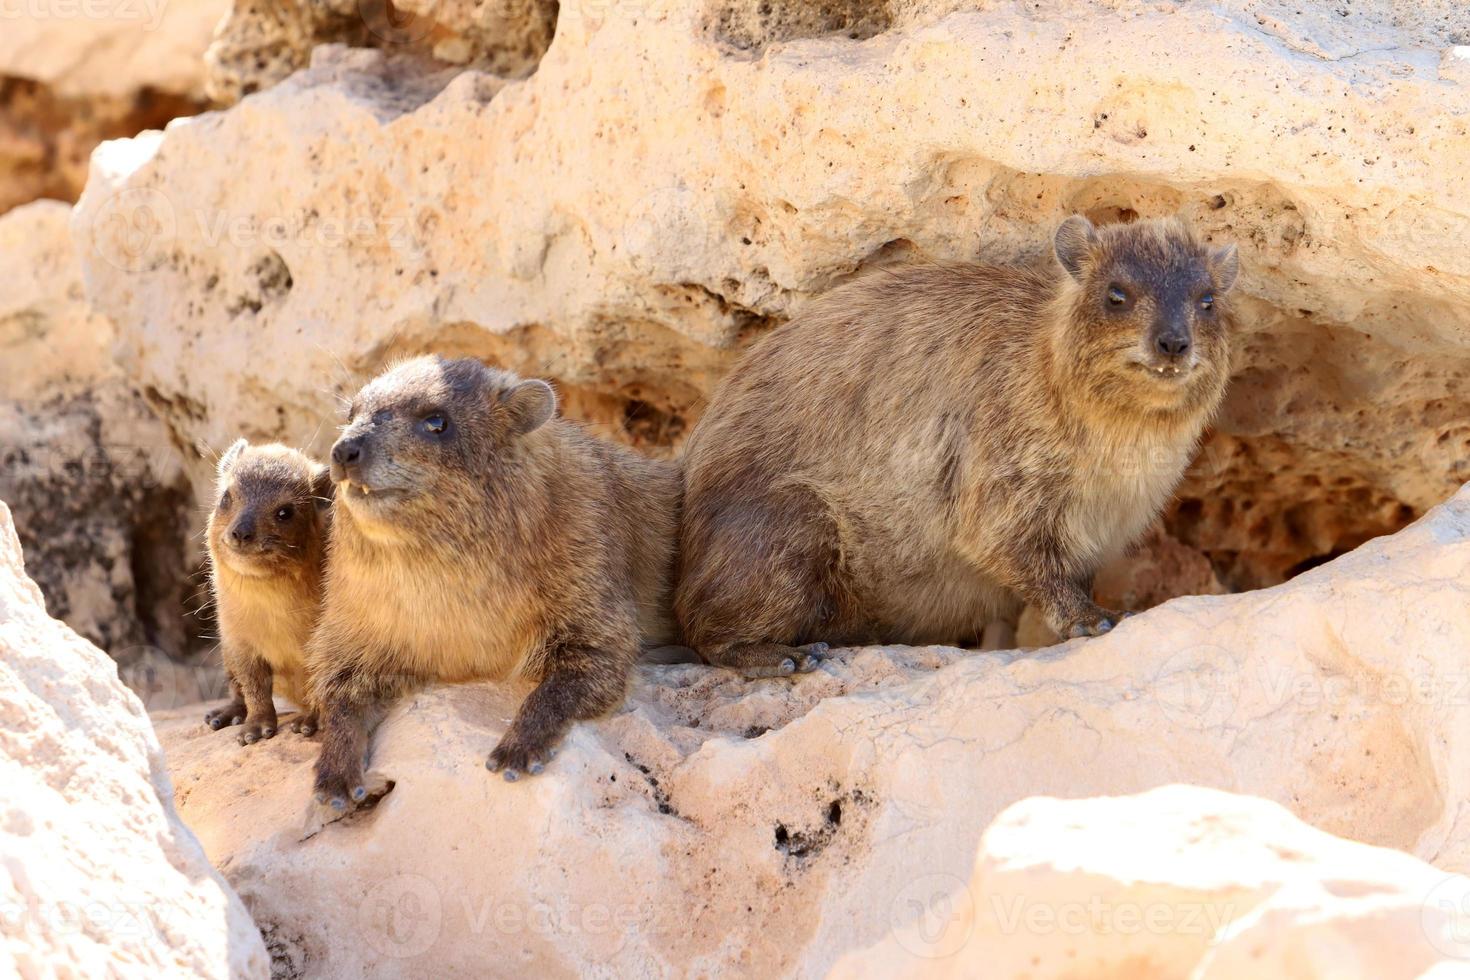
(256, 679)
(232, 713)
(579, 683)
(350, 705)
(1064, 598)
(757, 581)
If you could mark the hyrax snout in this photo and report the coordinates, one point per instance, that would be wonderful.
(267, 540)
(922, 450)
(477, 535)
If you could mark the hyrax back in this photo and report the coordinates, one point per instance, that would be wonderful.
(476, 535)
(919, 451)
(267, 548)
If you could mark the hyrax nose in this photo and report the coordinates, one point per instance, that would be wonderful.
(1173, 344)
(242, 533)
(347, 452)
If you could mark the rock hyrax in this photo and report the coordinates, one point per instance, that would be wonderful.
(477, 535)
(267, 545)
(921, 449)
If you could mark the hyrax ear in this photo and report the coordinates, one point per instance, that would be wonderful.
(1225, 266)
(322, 487)
(231, 456)
(530, 405)
(1073, 243)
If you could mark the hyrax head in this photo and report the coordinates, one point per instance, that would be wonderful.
(271, 509)
(1147, 304)
(423, 434)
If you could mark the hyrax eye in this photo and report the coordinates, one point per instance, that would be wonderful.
(1207, 301)
(1117, 296)
(435, 424)
(224, 500)
(285, 513)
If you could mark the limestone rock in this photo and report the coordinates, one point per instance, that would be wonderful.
(75, 72)
(260, 42)
(1177, 882)
(775, 826)
(95, 482)
(676, 178)
(98, 876)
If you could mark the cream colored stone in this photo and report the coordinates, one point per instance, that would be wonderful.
(98, 876)
(108, 48)
(1177, 882)
(772, 827)
(676, 178)
(92, 474)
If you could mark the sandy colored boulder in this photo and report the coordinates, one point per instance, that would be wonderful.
(1177, 882)
(98, 876)
(776, 826)
(91, 473)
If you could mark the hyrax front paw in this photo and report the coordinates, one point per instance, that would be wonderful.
(1095, 622)
(231, 714)
(519, 754)
(342, 791)
(257, 731)
(305, 724)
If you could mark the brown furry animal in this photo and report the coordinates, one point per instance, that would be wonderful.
(267, 547)
(919, 450)
(476, 535)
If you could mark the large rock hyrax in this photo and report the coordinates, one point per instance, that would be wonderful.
(477, 535)
(267, 544)
(921, 450)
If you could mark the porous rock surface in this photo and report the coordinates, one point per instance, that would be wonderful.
(94, 479)
(98, 876)
(773, 827)
(677, 177)
(75, 72)
(1178, 882)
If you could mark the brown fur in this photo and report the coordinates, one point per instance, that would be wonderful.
(268, 583)
(508, 544)
(920, 450)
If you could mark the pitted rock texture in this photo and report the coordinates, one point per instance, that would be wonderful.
(260, 42)
(716, 824)
(95, 482)
(74, 74)
(676, 178)
(98, 876)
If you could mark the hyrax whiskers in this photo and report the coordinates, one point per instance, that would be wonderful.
(267, 546)
(919, 451)
(477, 535)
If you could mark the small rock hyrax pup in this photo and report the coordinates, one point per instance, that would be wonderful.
(477, 535)
(919, 450)
(267, 551)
